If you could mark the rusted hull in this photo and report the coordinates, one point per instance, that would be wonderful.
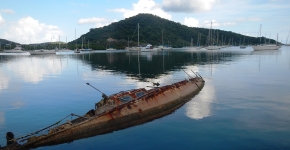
(156, 105)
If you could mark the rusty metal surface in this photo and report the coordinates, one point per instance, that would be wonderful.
(155, 103)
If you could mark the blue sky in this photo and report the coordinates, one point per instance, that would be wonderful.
(33, 21)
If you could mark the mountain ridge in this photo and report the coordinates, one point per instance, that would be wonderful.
(151, 26)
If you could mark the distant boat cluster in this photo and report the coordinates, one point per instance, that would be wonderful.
(18, 49)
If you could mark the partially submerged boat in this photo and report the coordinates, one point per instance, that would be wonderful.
(114, 112)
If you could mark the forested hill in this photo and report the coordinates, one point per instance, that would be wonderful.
(150, 31)
(6, 44)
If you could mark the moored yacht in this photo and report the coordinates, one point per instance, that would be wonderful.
(266, 47)
(149, 47)
(17, 49)
(42, 52)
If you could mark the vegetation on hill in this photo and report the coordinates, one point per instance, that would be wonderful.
(6, 44)
(150, 31)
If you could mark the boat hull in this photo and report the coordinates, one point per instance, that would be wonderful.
(133, 48)
(42, 52)
(212, 47)
(266, 47)
(158, 103)
(14, 51)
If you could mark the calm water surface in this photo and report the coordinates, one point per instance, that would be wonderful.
(245, 103)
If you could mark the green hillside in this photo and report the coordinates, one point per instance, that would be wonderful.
(150, 30)
(6, 44)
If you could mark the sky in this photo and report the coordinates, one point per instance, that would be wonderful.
(35, 21)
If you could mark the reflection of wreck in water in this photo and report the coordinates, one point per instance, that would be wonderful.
(114, 112)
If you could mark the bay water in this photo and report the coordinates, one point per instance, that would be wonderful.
(245, 103)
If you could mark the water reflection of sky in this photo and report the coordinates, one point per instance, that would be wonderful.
(34, 70)
(200, 106)
(248, 93)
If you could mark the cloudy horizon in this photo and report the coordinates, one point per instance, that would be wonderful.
(30, 22)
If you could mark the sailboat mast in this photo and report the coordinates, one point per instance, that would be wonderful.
(210, 33)
(217, 39)
(138, 34)
(277, 39)
(260, 32)
(162, 38)
(287, 38)
(75, 37)
(59, 42)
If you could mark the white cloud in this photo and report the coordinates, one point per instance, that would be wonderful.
(229, 23)
(7, 11)
(144, 6)
(27, 30)
(99, 22)
(212, 23)
(188, 6)
(2, 21)
(248, 19)
(191, 22)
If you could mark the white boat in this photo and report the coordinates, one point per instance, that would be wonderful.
(17, 49)
(87, 49)
(64, 50)
(266, 47)
(162, 47)
(211, 45)
(149, 47)
(243, 46)
(42, 52)
(133, 48)
(136, 48)
(110, 49)
(77, 51)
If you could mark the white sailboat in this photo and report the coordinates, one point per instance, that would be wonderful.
(287, 40)
(211, 47)
(17, 49)
(162, 47)
(149, 47)
(42, 52)
(243, 46)
(136, 48)
(86, 49)
(110, 48)
(266, 46)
